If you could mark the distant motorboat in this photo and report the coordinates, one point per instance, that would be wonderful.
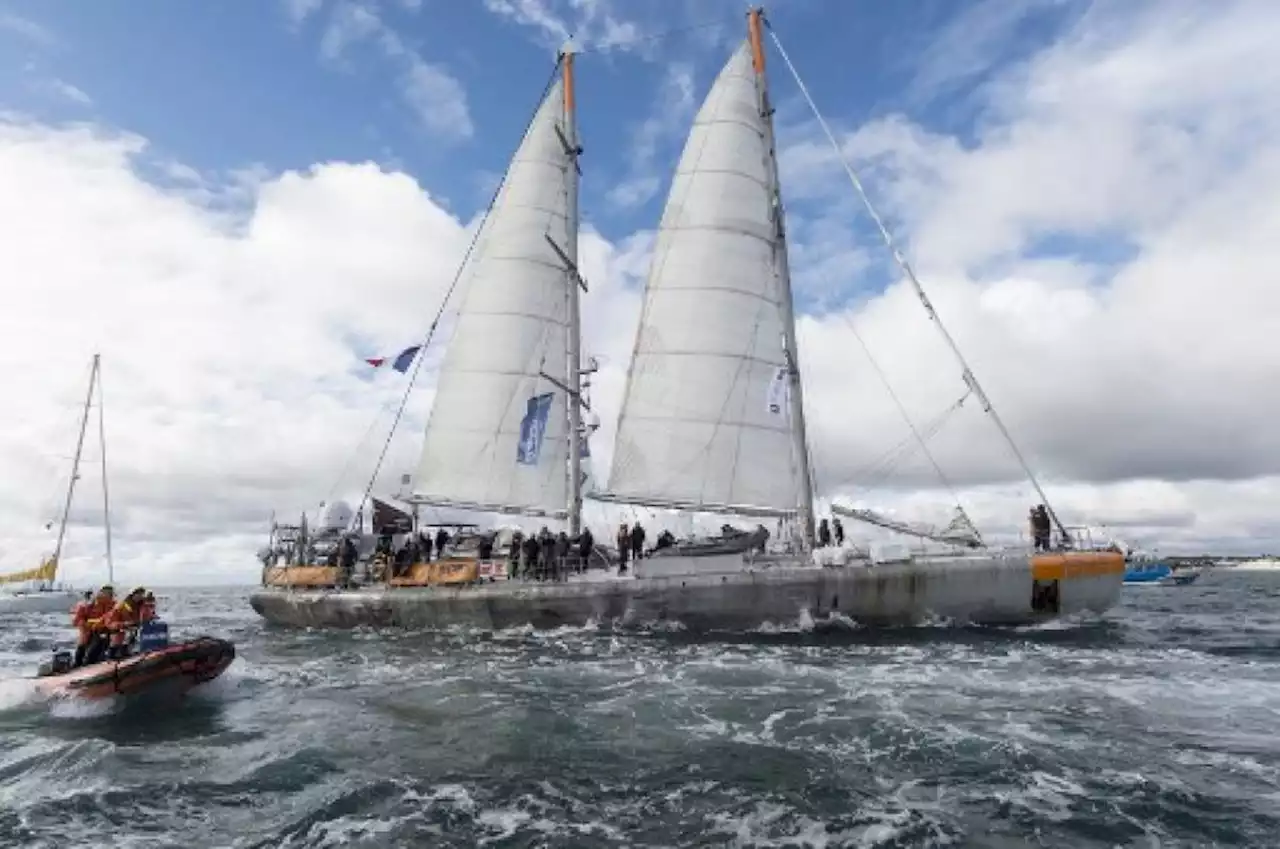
(1159, 574)
(1146, 573)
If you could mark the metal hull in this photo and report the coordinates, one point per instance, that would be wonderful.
(731, 596)
(51, 601)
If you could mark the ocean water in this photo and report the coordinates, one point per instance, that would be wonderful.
(1158, 726)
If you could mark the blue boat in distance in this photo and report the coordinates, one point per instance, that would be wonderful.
(1146, 572)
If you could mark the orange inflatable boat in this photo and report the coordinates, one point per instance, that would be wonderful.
(179, 667)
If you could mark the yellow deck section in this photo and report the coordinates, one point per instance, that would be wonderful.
(1076, 564)
(301, 576)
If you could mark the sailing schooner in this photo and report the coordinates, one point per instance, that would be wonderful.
(41, 592)
(712, 419)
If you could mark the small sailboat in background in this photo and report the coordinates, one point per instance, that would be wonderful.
(37, 590)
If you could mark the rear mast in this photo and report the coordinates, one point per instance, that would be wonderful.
(782, 267)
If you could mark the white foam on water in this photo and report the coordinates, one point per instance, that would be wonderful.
(75, 708)
(18, 693)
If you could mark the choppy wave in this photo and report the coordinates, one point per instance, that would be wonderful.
(1152, 727)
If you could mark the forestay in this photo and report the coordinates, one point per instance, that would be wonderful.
(496, 436)
(705, 421)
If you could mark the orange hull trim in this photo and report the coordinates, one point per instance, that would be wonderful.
(1076, 564)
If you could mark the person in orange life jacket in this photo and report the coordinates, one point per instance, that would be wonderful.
(95, 623)
(122, 620)
(80, 621)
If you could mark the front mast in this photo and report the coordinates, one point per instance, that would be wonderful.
(800, 446)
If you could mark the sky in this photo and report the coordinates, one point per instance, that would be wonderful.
(235, 204)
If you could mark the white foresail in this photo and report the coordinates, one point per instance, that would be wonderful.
(490, 444)
(704, 422)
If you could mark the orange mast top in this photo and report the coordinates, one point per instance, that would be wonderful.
(754, 24)
(567, 73)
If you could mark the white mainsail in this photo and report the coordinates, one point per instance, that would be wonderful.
(705, 423)
(496, 439)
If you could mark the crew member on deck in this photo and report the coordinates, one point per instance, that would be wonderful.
(547, 553)
(624, 547)
(824, 534)
(1041, 527)
(442, 539)
(586, 543)
(562, 557)
(513, 554)
(531, 549)
(838, 529)
(350, 554)
(637, 541)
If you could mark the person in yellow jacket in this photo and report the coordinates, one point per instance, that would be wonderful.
(121, 622)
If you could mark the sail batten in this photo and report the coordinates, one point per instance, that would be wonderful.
(704, 419)
(496, 434)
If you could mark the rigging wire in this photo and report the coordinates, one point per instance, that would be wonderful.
(883, 464)
(906, 417)
(435, 322)
(967, 373)
(351, 459)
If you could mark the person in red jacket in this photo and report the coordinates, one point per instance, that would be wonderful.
(95, 625)
(80, 616)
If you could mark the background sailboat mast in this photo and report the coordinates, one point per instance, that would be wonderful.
(572, 281)
(800, 444)
(106, 495)
(75, 464)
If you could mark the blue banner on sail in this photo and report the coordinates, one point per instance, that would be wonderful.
(532, 428)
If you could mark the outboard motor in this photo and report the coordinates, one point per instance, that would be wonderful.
(153, 636)
(59, 663)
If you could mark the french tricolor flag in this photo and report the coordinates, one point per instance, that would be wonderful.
(400, 362)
